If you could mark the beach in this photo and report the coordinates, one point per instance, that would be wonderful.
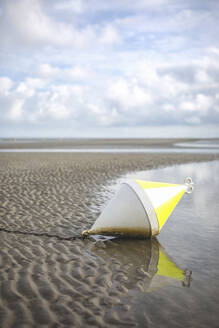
(49, 276)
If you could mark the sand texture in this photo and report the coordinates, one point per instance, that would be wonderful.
(49, 278)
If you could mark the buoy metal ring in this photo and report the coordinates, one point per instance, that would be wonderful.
(189, 185)
(188, 181)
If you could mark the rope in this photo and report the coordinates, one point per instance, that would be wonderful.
(40, 234)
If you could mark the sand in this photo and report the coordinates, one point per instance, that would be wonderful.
(48, 276)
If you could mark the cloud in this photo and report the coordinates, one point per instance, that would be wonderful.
(151, 94)
(29, 86)
(70, 74)
(5, 85)
(27, 23)
(128, 95)
(103, 64)
(201, 103)
(109, 35)
(16, 110)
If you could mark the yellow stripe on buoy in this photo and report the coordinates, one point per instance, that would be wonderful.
(164, 210)
(163, 196)
(152, 184)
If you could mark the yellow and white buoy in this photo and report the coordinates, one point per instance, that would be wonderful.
(139, 208)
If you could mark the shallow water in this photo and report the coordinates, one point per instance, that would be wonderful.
(200, 144)
(205, 146)
(182, 148)
(190, 238)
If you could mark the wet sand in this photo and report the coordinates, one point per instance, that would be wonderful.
(48, 279)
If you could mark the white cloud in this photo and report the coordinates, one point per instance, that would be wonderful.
(214, 51)
(47, 71)
(146, 72)
(202, 76)
(35, 83)
(187, 106)
(61, 102)
(27, 23)
(5, 85)
(28, 87)
(109, 35)
(128, 95)
(16, 112)
(23, 89)
(201, 104)
(70, 73)
(168, 108)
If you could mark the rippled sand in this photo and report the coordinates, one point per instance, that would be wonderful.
(47, 278)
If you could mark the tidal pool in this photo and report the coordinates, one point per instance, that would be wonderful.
(178, 273)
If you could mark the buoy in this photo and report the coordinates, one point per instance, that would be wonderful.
(139, 209)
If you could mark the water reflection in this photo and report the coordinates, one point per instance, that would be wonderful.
(145, 263)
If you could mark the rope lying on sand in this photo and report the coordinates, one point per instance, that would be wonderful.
(40, 234)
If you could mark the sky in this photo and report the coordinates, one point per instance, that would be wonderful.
(118, 68)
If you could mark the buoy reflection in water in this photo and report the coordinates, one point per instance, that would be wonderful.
(145, 263)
